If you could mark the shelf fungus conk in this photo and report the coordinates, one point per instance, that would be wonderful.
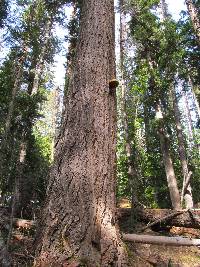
(113, 83)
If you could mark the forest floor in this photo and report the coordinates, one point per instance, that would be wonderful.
(147, 255)
(141, 255)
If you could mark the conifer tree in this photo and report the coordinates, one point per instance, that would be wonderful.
(79, 218)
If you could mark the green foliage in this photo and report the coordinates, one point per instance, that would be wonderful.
(3, 12)
(123, 183)
(27, 38)
(165, 53)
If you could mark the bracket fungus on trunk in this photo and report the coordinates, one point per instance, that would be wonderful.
(113, 85)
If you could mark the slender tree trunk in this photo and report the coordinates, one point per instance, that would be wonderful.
(132, 173)
(40, 63)
(194, 15)
(147, 110)
(169, 169)
(189, 118)
(194, 97)
(16, 193)
(164, 144)
(12, 102)
(79, 218)
(182, 153)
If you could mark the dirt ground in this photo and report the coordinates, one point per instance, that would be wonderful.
(140, 255)
(145, 255)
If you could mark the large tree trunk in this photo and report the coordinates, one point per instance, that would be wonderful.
(187, 195)
(79, 218)
(193, 11)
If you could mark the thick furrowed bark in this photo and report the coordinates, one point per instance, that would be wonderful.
(78, 222)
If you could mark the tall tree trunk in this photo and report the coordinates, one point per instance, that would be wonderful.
(196, 103)
(194, 15)
(164, 143)
(169, 169)
(182, 153)
(12, 102)
(132, 173)
(40, 63)
(79, 218)
(189, 118)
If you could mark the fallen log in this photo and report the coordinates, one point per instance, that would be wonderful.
(163, 219)
(184, 219)
(164, 240)
(189, 219)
